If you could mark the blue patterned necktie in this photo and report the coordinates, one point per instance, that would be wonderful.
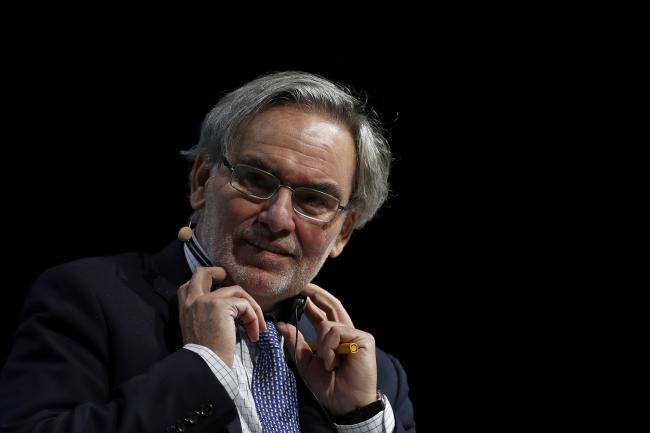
(274, 386)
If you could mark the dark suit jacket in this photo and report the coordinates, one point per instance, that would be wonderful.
(99, 350)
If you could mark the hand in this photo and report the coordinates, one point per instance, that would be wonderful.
(340, 383)
(208, 318)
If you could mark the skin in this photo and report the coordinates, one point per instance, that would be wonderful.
(301, 148)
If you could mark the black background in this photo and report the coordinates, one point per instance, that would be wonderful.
(92, 168)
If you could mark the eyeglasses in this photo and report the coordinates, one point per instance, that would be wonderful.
(309, 203)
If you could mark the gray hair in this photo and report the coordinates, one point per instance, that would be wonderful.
(223, 125)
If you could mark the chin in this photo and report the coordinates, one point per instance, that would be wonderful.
(262, 283)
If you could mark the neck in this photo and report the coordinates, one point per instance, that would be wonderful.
(285, 310)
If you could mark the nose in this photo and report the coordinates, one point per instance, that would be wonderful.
(277, 212)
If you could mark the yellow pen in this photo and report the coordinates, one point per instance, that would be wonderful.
(343, 349)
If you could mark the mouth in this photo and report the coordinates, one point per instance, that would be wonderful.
(268, 247)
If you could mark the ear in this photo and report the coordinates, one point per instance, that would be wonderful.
(344, 236)
(200, 176)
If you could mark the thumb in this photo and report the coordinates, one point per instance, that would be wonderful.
(303, 353)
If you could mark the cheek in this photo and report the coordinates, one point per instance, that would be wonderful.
(237, 211)
(315, 242)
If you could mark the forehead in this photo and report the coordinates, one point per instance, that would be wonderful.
(300, 146)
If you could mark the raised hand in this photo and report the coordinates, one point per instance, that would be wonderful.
(341, 383)
(208, 318)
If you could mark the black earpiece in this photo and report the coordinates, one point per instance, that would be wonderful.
(290, 310)
(298, 307)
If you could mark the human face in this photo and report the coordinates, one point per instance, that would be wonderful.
(265, 246)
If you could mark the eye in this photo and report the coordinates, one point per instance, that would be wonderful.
(255, 182)
(258, 180)
(314, 201)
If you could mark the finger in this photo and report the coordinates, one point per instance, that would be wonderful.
(244, 311)
(330, 337)
(303, 354)
(314, 313)
(202, 280)
(238, 291)
(329, 303)
(182, 295)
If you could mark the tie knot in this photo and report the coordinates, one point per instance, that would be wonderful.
(269, 339)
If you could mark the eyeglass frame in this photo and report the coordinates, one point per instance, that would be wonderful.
(232, 168)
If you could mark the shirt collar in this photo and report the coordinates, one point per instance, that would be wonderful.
(195, 254)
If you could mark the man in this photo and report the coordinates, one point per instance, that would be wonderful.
(191, 339)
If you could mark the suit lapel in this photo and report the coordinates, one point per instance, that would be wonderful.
(170, 270)
(312, 418)
(163, 273)
(156, 279)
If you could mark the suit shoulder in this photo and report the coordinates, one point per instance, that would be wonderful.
(389, 363)
(87, 272)
(391, 374)
(393, 383)
(94, 265)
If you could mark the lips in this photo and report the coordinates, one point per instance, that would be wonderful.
(268, 246)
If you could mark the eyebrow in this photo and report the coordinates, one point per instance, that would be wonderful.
(326, 187)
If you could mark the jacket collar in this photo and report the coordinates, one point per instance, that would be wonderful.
(170, 270)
